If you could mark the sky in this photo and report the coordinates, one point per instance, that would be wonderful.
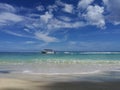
(74, 25)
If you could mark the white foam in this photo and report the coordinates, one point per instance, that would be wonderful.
(27, 71)
(62, 73)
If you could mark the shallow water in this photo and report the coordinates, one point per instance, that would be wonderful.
(60, 63)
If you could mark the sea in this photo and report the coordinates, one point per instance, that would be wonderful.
(61, 63)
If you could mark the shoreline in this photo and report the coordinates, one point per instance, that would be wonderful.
(96, 76)
(95, 81)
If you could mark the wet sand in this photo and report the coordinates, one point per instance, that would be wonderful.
(19, 81)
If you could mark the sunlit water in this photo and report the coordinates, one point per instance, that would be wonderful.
(60, 63)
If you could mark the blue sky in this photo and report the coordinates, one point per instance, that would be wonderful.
(82, 25)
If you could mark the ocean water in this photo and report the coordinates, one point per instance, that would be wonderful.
(60, 63)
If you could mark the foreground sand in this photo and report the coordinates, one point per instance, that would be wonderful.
(20, 84)
(18, 81)
(17, 84)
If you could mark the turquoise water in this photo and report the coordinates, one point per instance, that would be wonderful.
(60, 63)
(31, 57)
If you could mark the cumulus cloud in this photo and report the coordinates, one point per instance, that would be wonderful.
(65, 7)
(113, 7)
(46, 17)
(84, 3)
(68, 8)
(95, 16)
(40, 26)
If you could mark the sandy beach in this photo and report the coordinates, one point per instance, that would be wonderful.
(18, 84)
(53, 82)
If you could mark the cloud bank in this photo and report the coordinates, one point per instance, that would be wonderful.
(42, 21)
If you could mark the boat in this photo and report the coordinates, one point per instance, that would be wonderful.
(48, 51)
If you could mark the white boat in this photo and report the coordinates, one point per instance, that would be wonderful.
(48, 51)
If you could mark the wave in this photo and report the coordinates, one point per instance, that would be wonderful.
(100, 53)
(80, 52)
(57, 61)
(63, 73)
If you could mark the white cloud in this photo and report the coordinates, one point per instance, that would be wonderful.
(46, 17)
(95, 16)
(29, 42)
(13, 33)
(27, 30)
(65, 18)
(40, 26)
(59, 3)
(84, 3)
(7, 7)
(40, 8)
(52, 8)
(68, 8)
(34, 15)
(6, 16)
(29, 26)
(113, 7)
(116, 22)
(45, 37)
(57, 24)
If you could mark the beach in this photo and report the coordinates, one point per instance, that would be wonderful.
(17, 81)
(20, 84)
(59, 44)
(76, 71)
